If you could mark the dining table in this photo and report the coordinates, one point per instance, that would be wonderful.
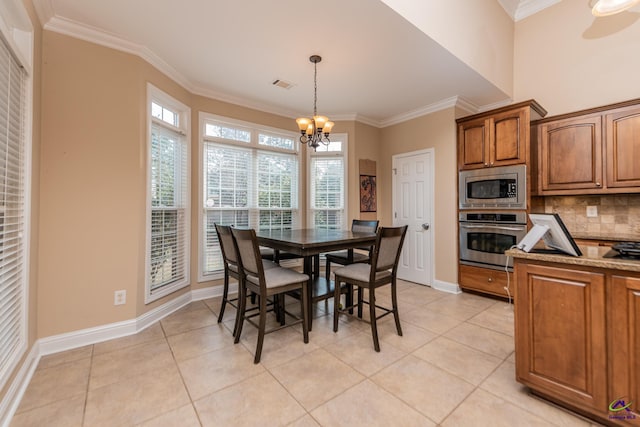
(310, 243)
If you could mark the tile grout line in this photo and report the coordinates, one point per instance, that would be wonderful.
(86, 394)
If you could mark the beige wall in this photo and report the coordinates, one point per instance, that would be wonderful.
(568, 60)
(437, 131)
(92, 180)
(364, 145)
(478, 32)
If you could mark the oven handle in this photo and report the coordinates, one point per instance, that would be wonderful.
(497, 227)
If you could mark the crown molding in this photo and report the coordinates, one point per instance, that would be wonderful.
(44, 10)
(527, 8)
(419, 112)
(93, 35)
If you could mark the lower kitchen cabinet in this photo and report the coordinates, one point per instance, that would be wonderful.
(485, 280)
(577, 337)
(624, 341)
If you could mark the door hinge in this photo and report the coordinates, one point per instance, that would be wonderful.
(395, 171)
(395, 214)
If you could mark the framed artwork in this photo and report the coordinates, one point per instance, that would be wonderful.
(367, 193)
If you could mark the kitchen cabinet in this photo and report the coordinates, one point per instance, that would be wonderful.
(623, 148)
(571, 154)
(497, 138)
(624, 340)
(577, 331)
(560, 334)
(590, 152)
(484, 280)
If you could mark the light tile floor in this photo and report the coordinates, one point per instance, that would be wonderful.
(454, 366)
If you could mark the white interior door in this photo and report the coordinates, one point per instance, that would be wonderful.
(412, 206)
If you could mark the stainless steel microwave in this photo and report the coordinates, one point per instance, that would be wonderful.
(502, 187)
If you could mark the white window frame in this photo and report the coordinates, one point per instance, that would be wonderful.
(253, 145)
(184, 125)
(344, 153)
(17, 31)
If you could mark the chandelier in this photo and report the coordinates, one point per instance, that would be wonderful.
(317, 129)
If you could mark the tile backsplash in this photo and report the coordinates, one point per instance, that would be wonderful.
(618, 215)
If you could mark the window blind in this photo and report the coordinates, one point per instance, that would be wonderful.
(327, 192)
(169, 198)
(12, 220)
(247, 187)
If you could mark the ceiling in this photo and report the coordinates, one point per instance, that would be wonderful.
(377, 67)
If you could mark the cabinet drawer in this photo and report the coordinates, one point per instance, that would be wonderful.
(484, 280)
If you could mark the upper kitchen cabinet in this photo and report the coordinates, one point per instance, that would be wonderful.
(498, 137)
(589, 152)
(623, 147)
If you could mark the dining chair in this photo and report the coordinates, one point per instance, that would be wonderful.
(381, 271)
(342, 257)
(232, 269)
(266, 283)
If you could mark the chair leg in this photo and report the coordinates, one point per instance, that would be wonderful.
(239, 311)
(262, 324)
(372, 315)
(336, 305)
(394, 301)
(225, 294)
(360, 299)
(349, 297)
(242, 306)
(305, 309)
(327, 270)
(281, 309)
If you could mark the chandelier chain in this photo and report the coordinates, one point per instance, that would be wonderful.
(315, 88)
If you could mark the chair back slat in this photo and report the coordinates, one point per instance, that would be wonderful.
(387, 249)
(248, 252)
(226, 244)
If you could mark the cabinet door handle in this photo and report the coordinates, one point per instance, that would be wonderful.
(490, 279)
(598, 184)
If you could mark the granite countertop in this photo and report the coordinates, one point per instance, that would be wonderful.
(611, 237)
(592, 256)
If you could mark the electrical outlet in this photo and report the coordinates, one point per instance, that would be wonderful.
(120, 297)
(592, 211)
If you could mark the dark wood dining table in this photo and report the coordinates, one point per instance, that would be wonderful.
(310, 243)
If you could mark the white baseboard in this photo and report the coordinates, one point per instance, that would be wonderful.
(81, 338)
(15, 391)
(441, 285)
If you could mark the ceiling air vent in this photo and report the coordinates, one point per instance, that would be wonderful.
(282, 84)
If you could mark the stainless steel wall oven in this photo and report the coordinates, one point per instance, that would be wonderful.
(484, 236)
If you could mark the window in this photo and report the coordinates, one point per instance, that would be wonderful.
(327, 184)
(15, 160)
(168, 209)
(249, 178)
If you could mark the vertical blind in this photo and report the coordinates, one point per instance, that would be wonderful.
(168, 248)
(12, 221)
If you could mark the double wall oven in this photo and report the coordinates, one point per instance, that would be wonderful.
(492, 216)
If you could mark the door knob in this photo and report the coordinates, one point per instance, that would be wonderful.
(425, 226)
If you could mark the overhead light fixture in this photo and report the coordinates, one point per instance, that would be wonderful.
(316, 130)
(611, 7)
